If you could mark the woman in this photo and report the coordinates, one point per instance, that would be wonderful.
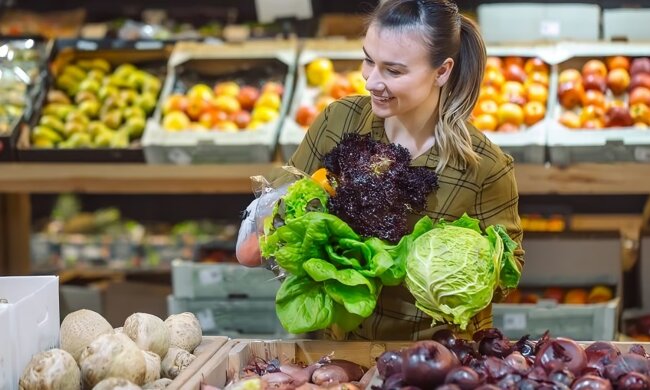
(423, 68)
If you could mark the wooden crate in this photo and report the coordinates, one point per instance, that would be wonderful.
(214, 346)
(225, 365)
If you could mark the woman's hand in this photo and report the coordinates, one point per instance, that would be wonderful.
(248, 251)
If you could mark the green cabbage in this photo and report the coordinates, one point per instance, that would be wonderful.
(453, 269)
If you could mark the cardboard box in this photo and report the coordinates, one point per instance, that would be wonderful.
(29, 323)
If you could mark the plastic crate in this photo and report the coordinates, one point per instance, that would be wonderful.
(615, 144)
(231, 317)
(204, 280)
(630, 24)
(580, 322)
(344, 54)
(218, 62)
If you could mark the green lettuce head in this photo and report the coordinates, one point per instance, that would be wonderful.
(453, 269)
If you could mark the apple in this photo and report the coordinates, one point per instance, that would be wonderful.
(485, 122)
(247, 97)
(513, 60)
(594, 67)
(592, 113)
(570, 119)
(264, 114)
(494, 78)
(241, 118)
(493, 63)
(615, 103)
(200, 90)
(340, 87)
(594, 81)
(640, 80)
(175, 121)
(618, 117)
(534, 112)
(229, 88)
(175, 102)
(640, 65)
(319, 71)
(570, 94)
(535, 64)
(510, 113)
(640, 95)
(269, 99)
(508, 128)
(226, 103)
(486, 107)
(196, 106)
(514, 72)
(206, 119)
(618, 80)
(305, 115)
(488, 93)
(576, 296)
(640, 113)
(539, 78)
(618, 62)
(227, 127)
(537, 93)
(272, 86)
(569, 75)
(593, 97)
(554, 293)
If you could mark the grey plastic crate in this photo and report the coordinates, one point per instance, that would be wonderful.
(200, 280)
(579, 322)
(231, 317)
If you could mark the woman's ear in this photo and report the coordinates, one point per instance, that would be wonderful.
(444, 71)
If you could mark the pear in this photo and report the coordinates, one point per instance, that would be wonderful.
(80, 140)
(90, 85)
(135, 127)
(74, 71)
(128, 96)
(83, 96)
(112, 119)
(52, 122)
(58, 110)
(120, 139)
(77, 116)
(85, 63)
(146, 101)
(134, 111)
(107, 90)
(46, 133)
(56, 96)
(101, 64)
(90, 108)
(72, 128)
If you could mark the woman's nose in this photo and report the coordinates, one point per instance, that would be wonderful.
(373, 80)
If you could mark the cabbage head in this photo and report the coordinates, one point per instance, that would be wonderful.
(453, 269)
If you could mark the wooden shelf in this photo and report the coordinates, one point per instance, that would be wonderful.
(585, 179)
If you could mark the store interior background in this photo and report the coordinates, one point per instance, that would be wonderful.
(119, 291)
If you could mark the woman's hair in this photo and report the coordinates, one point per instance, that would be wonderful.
(448, 34)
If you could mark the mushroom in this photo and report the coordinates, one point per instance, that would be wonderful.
(149, 333)
(184, 331)
(53, 369)
(80, 328)
(112, 355)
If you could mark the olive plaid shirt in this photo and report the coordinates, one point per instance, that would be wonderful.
(488, 193)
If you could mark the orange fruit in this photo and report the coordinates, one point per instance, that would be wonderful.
(599, 294)
(320, 177)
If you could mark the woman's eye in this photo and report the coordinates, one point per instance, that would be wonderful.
(393, 71)
(368, 60)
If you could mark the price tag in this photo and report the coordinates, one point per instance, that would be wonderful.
(514, 321)
(148, 45)
(549, 28)
(86, 45)
(206, 319)
(210, 276)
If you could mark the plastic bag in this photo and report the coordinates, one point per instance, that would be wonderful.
(252, 226)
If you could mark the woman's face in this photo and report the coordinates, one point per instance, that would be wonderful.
(398, 73)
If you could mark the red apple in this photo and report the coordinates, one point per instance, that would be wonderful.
(618, 62)
(640, 80)
(513, 60)
(540, 78)
(493, 63)
(514, 72)
(594, 81)
(640, 95)
(571, 94)
(485, 122)
(593, 98)
(241, 118)
(305, 115)
(618, 80)
(493, 78)
(594, 67)
(273, 87)
(592, 113)
(534, 112)
(640, 65)
(568, 75)
(248, 96)
(537, 92)
(535, 64)
(640, 113)
(618, 117)
(510, 113)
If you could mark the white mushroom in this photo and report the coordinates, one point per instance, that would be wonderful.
(116, 384)
(149, 333)
(112, 355)
(176, 361)
(53, 369)
(152, 363)
(184, 331)
(157, 385)
(80, 328)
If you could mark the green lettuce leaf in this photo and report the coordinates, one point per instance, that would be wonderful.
(303, 306)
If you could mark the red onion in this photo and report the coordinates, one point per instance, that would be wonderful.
(591, 382)
(565, 350)
(426, 364)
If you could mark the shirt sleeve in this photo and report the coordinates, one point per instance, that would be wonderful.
(498, 203)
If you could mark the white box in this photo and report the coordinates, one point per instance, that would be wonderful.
(29, 323)
(630, 24)
(528, 22)
(194, 147)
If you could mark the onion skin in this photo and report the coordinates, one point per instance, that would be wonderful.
(427, 363)
(277, 379)
(566, 350)
(353, 370)
(518, 363)
(463, 377)
(329, 374)
(633, 381)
